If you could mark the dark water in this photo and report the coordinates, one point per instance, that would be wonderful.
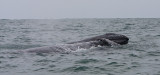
(140, 57)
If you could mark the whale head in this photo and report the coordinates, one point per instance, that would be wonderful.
(117, 38)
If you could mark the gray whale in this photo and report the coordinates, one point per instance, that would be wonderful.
(107, 39)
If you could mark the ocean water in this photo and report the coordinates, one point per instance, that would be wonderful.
(141, 56)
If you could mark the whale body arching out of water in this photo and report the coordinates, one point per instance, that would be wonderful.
(107, 39)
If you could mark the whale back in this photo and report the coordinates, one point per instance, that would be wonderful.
(108, 39)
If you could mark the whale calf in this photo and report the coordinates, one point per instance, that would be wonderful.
(107, 39)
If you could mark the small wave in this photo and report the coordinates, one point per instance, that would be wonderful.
(86, 61)
(76, 69)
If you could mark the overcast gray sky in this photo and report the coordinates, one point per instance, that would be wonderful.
(56, 9)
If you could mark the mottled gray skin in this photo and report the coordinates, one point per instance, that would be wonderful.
(108, 39)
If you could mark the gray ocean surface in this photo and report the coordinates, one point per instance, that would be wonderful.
(141, 56)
